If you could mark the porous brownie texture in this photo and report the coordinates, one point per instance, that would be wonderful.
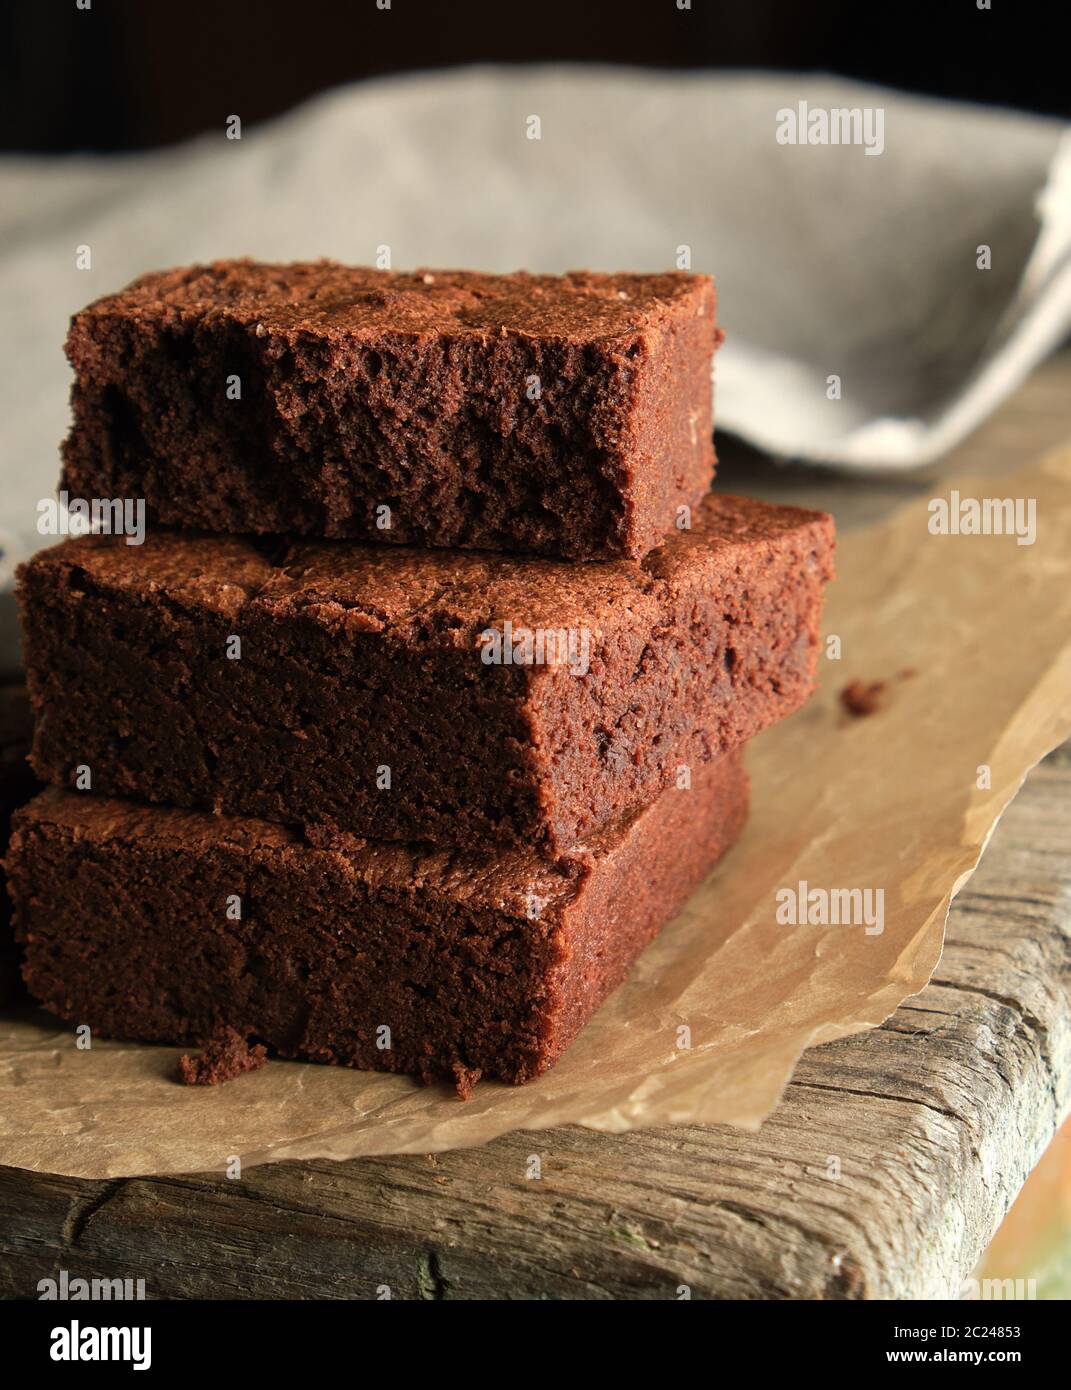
(350, 689)
(558, 415)
(476, 964)
(17, 785)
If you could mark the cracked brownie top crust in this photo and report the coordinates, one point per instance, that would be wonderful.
(323, 297)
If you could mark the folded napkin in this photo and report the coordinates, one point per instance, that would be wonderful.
(861, 329)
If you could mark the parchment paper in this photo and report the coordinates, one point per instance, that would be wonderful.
(887, 801)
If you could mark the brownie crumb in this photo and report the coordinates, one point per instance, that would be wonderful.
(465, 1078)
(863, 697)
(225, 1057)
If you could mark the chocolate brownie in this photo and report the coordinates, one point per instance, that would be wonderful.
(407, 694)
(170, 926)
(17, 785)
(560, 415)
(226, 1056)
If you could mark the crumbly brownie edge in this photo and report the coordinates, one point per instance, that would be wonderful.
(17, 786)
(334, 422)
(332, 689)
(733, 649)
(476, 970)
(308, 727)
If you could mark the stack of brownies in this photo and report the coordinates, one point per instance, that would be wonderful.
(421, 707)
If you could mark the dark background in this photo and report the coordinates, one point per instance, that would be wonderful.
(132, 73)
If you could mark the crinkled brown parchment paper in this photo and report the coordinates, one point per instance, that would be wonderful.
(887, 801)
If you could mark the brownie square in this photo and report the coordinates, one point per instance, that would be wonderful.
(464, 699)
(559, 415)
(161, 925)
